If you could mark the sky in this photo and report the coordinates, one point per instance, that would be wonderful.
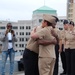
(14, 10)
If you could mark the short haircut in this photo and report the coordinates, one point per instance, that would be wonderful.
(71, 23)
(9, 24)
(65, 22)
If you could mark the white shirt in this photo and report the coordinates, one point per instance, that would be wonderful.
(9, 35)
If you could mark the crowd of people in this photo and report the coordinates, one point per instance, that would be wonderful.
(41, 55)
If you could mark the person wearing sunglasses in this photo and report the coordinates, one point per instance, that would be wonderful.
(8, 48)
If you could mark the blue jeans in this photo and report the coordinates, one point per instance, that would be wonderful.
(5, 54)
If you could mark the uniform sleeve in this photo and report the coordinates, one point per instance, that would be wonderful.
(60, 35)
(41, 33)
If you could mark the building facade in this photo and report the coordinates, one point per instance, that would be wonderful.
(71, 10)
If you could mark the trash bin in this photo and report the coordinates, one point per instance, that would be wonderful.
(20, 65)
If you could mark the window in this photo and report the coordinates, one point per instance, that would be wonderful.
(19, 50)
(19, 45)
(26, 33)
(16, 33)
(21, 33)
(3, 27)
(71, 10)
(14, 27)
(60, 28)
(26, 27)
(40, 20)
(21, 39)
(16, 45)
(22, 45)
(26, 39)
(29, 27)
(29, 33)
(21, 27)
(61, 20)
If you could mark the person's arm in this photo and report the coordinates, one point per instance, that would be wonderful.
(33, 30)
(3, 39)
(14, 39)
(46, 42)
(61, 39)
(39, 34)
(55, 35)
(60, 45)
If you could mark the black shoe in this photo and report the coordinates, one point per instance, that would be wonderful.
(63, 73)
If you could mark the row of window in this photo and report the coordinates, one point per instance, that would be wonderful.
(70, 15)
(27, 27)
(70, 10)
(20, 33)
(15, 27)
(21, 45)
(23, 39)
(18, 45)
